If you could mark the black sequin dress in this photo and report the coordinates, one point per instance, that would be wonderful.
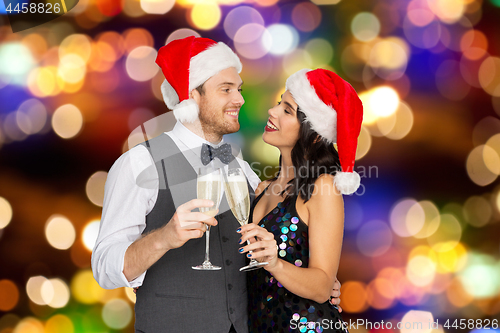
(272, 308)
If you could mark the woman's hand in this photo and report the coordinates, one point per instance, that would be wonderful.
(262, 244)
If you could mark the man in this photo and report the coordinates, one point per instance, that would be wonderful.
(149, 198)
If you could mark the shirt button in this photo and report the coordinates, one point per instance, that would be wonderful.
(230, 286)
(231, 310)
(228, 262)
(224, 239)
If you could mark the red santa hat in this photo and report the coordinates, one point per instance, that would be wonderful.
(335, 112)
(186, 64)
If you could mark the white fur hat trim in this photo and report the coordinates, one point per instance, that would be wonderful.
(347, 182)
(323, 118)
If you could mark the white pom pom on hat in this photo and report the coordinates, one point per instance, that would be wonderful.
(186, 64)
(334, 110)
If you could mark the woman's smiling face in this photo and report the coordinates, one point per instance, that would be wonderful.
(282, 129)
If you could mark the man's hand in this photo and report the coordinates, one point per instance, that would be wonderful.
(335, 296)
(176, 235)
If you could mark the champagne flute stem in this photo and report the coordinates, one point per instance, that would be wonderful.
(207, 246)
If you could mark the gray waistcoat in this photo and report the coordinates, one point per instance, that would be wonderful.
(173, 296)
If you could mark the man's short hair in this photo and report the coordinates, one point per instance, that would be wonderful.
(201, 88)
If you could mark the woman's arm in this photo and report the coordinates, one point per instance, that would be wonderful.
(326, 228)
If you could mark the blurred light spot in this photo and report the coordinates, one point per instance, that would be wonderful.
(55, 293)
(90, 233)
(85, 289)
(103, 56)
(398, 217)
(325, 2)
(498, 201)
(432, 219)
(354, 297)
(494, 143)
(67, 121)
(266, 3)
(117, 314)
(156, 6)
(415, 219)
(384, 101)
(5, 213)
(374, 238)
(489, 76)
(205, 15)
(448, 11)
(447, 235)
(141, 64)
(252, 41)
(60, 232)
(181, 33)
(9, 295)
(477, 169)
(34, 289)
(265, 153)
(95, 187)
(321, 51)
(296, 60)
(419, 14)
(404, 122)
(364, 143)
(283, 39)
(477, 211)
(19, 60)
(36, 44)
(35, 116)
(474, 44)
(113, 39)
(44, 81)
(29, 325)
(129, 292)
(376, 294)
(450, 82)
(457, 295)
(78, 44)
(11, 128)
(423, 37)
(306, 16)
(239, 17)
(72, 68)
(133, 8)
(417, 321)
(389, 58)
(137, 37)
(453, 260)
(480, 277)
(365, 26)
(59, 324)
(420, 271)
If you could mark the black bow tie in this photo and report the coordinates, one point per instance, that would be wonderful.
(224, 153)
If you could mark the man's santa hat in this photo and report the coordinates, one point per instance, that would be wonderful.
(335, 112)
(186, 64)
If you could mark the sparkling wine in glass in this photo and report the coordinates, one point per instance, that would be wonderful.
(208, 187)
(235, 184)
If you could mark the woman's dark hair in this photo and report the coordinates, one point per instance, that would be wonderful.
(312, 156)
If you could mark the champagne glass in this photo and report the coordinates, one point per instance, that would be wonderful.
(208, 187)
(235, 184)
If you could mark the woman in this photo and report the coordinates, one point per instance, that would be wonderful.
(298, 216)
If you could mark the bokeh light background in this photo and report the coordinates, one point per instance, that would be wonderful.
(422, 236)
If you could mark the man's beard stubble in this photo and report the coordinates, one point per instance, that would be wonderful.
(214, 122)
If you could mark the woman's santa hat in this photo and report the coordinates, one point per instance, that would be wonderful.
(335, 112)
(186, 64)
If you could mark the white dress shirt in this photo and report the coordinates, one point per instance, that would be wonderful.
(128, 199)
